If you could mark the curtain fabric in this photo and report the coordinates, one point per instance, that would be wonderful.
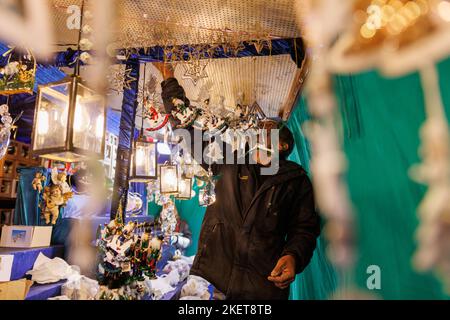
(380, 130)
(27, 211)
(319, 280)
(380, 121)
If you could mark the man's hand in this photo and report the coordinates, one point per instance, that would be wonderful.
(284, 272)
(165, 69)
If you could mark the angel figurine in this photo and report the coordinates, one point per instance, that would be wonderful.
(39, 178)
(60, 179)
(53, 200)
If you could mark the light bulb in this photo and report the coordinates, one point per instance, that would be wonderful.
(170, 180)
(99, 126)
(182, 187)
(81, 120)
(140, 157)
(43, 122)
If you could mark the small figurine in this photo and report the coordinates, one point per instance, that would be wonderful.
(37, 181)
(157, 119)
(53, 199)
(61, 180)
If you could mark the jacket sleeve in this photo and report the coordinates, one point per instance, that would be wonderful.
(303, 228)
(171, 89)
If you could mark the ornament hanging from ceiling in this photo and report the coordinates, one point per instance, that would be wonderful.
(119, 78)
(18, 76)
(6, 124)
(232, 43)
(168, 219)
(185, 115)
(155, 119)
(214, 152)
(195, 70)
(261, 38)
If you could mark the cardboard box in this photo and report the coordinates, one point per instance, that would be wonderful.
(15, 290)
(25, 236)
(6, 263)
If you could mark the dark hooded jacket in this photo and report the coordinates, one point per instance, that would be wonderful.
(254, 222)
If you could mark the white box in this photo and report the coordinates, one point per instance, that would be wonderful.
(6, 263)
(26, 236)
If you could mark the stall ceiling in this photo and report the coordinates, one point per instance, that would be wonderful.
(266, 80)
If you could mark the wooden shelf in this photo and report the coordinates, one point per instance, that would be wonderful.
(18, 155)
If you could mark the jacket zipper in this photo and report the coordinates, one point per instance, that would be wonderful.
(272, 193)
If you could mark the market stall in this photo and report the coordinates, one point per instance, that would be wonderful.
(100, 199)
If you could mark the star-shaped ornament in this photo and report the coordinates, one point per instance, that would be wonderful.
(120, 78)
(195, 71)
(261, 38)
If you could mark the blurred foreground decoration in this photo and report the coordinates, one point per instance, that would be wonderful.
(433, 234)
(18, 76)
(27, 23)
(399, 37)
(320, 21)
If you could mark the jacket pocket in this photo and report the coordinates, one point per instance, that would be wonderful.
(271, 217)
(205, 236)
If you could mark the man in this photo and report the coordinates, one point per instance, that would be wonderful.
(262, 230)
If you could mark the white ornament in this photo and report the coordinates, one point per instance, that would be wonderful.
(85, 57)
(86, 44)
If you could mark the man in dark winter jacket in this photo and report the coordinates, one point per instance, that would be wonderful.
(262, 229)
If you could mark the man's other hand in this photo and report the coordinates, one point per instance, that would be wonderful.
(284, 272)
(166, 69)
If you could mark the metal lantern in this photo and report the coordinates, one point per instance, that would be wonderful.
(69, 122)
(143, 161)
(168, 177)
(184, 188)
(145, 153)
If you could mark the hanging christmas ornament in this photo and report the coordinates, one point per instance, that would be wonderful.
(185, 115)
(18, 76)
(195, 70)
(119, 78)
(168, 218)
(207, 195)
(155, 119)
(6, 124)
(214, 152)
(261, 38)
